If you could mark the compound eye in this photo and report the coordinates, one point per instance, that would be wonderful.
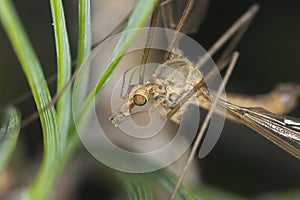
(139, 100)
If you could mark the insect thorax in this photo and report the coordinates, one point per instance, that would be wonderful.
(170, 82)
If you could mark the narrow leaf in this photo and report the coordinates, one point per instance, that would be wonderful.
(84, 32)
(63, 68)
(84, 47)
(42, 97)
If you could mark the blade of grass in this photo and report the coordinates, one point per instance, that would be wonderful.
(84, 42)
(135, 185)
(167, 183)
(63, 68)
(9, 132)
(84, 31)
(84, 46)
(42, 97)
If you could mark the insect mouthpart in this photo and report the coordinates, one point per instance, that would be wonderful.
(121, 114)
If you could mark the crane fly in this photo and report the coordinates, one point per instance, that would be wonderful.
(169, 91)
(284, 95)
(177, 80)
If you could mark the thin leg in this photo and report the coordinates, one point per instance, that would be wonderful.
(179, 26)
(238, 28)
(153, 23)
(241, 23)
(28, 93)
(168, 16)
(236, 38)
(195, 19)
(204, 126)
(35, 115)
(125, 89)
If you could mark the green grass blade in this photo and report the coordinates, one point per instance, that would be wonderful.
(168, 182)
(9, 132)
(42, 97)
(84, 46)
(84, 32)
(135, 185)
(63, 68)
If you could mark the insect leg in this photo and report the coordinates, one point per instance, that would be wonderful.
(179, 27)
(204, 125)
(146, 52)
(172, 12)
(241, 22)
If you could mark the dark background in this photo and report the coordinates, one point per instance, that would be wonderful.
(242, 162)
